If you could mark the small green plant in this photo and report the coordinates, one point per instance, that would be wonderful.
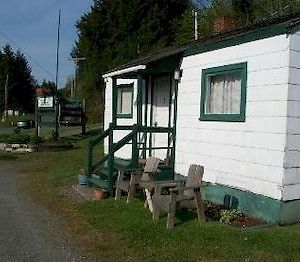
(3, 138)
(36, 140)
(18, 139)
(228, 215)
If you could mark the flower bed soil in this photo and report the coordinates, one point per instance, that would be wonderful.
(213, 213)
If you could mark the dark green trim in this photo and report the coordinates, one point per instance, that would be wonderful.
(135, 150)
(170, 109)
(165, 65)
(146, 116)
(114, 100)
(139, 99)
(257, 205)
(174, 124)
(123, 127)
(240, 68)
(290, 212)
(233, 40)
(120, 87)
(125, 115)
(266, 208)
(111, 157)
(151, 113)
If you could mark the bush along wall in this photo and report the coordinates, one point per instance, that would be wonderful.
(19, 143)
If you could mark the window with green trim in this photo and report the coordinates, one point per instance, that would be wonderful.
(124, 101)
(223, 93)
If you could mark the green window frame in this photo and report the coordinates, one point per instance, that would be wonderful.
(239, 70)
(121, 90)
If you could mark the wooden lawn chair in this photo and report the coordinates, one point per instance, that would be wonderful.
(187, 196)
(137, 177)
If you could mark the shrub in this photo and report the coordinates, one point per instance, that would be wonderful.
(228, 215)
(36, 140)
(18, 139)
(14, 138)
(4, 138)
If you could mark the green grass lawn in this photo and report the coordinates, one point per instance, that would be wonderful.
(190, 240)
(127, 232)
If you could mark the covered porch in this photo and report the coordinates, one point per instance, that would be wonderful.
(140, 119)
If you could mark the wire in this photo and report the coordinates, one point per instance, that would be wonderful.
(29, 56)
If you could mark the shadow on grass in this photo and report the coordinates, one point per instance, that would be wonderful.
(7, 156)
(79, 137)
(183, 216)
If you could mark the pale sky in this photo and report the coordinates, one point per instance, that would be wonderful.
(31, 26)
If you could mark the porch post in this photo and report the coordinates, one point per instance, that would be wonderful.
(174, 124)
(114, 101)
(146, 92)
(170, 113)
(111, 159)
(135, 148)
(139, 99)
(139, 112)
(151, 113)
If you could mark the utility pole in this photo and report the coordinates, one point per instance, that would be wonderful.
(56, 103)
(76, 61)
(195, 14)
(72, 87)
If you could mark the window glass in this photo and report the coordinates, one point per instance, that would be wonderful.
(124, 101)
(223, 93)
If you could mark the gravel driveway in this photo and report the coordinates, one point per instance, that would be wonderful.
(27, 230)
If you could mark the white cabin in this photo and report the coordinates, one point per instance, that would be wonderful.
(230, 103)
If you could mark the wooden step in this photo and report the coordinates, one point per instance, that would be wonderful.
(103, 174)
(121, 164)
(99, 182)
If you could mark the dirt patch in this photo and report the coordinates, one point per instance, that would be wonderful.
(247, 221)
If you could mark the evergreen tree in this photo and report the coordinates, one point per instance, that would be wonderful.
(117, 31)
(14, 68)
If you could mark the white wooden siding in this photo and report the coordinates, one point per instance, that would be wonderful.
(248, 155)
(124, 152)
(107, 109)
(291, 179)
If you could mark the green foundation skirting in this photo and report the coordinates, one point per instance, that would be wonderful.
(290, 212)
(265, 208)
(268, 209)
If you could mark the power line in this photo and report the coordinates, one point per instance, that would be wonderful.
(29, 56)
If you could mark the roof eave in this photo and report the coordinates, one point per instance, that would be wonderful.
(127, 70)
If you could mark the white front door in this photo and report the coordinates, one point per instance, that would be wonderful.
(161, 101)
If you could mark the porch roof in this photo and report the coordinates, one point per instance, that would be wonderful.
(165, 61)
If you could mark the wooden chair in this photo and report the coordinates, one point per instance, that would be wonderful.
(137, 177)
(187, 196)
